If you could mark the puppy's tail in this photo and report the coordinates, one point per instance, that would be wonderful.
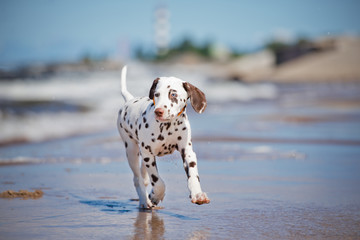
(124, 92)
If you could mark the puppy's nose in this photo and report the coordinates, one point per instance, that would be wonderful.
(159, 112)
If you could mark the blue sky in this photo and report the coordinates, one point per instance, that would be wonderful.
(55, 30)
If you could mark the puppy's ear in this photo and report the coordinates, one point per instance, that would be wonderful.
(153, 87)
(197, 97)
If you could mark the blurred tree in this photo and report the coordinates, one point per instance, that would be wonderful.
(89, 58)
(285, 51)
(185, 46)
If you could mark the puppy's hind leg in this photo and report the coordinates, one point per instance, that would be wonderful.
(132, 153)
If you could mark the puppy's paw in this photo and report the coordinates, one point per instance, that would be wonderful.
(200, 198)
(155, 200)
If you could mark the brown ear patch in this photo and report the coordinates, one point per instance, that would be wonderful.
(153, 88)
(197, 97)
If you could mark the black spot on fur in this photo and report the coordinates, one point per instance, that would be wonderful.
(169, 133)
(179, 138)
(154, 178)
(148, 148)
(147, 165)
(144, 120)
(146, 159)
(139, 126)
(198, 177)
(184, 129)
(153, 163)
(146, 125)
(192, 164)
(183, 154)
(187, 171)
(126, 144)
(160, 137)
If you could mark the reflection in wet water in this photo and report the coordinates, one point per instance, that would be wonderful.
(148, 225)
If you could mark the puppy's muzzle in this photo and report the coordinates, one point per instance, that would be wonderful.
(159, 112)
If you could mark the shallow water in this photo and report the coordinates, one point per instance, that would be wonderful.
(251, 200)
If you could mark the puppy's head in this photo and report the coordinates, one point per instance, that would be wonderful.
(170, 96)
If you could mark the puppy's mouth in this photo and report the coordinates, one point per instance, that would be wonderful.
(162, 119)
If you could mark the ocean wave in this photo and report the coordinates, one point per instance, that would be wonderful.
(63, 105)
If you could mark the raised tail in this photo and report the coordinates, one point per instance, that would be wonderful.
(124, 92)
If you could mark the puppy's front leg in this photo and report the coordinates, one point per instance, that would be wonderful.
(190, 165)
(158, 191)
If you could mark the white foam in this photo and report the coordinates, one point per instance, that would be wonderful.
(100, 92)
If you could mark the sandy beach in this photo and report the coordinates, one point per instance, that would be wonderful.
(281, 169)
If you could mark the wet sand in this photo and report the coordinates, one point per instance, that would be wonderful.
(277, 199)
(267, 175)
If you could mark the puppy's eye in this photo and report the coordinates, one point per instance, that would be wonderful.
(157, 94)
(174, 95)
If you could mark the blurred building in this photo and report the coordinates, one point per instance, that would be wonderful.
(162, 29)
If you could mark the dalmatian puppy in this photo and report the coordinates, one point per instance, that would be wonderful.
(155, 126)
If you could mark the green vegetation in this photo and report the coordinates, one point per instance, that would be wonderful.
(91, 58)
(287, 51)
(207, 51)
(277, 46)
